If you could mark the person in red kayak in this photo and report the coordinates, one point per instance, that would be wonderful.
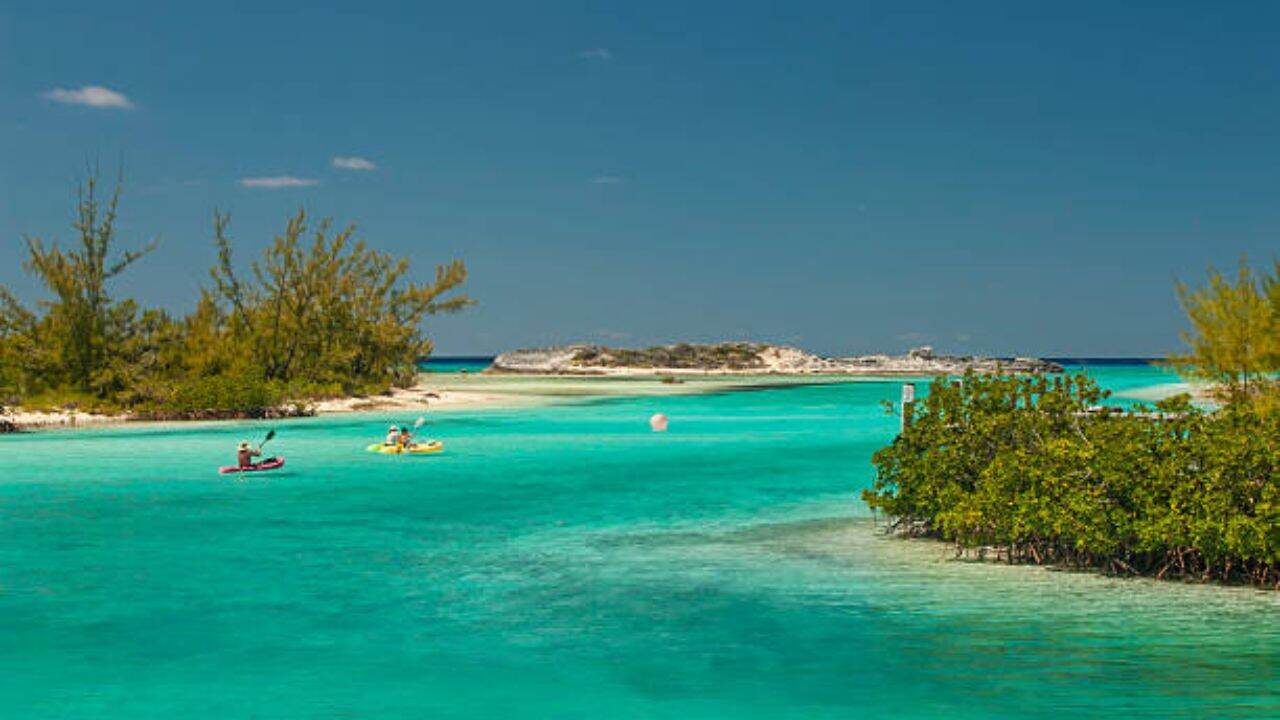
(246, 454)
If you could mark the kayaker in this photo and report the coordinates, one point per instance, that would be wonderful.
(246, 454)
(393, 437)
(405, 439)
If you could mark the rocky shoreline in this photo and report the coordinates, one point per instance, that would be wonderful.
(426, 394)
(747, 359)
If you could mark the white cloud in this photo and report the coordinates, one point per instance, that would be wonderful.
(90, 95)
(596, 54)
(353, 163)
(277, 182)
(606, 180)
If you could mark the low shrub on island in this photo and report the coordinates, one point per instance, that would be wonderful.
(1032, 468)
(727, 355)
(318, 315)
(1035, 470)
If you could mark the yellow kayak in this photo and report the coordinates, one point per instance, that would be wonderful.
(434, 446)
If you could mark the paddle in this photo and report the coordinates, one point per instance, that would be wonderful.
(416, 424)
(265, 440)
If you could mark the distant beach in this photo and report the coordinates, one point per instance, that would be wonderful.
(459, 384)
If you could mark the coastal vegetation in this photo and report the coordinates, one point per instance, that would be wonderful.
(319, 314)
(1038, 470)
(729, 355)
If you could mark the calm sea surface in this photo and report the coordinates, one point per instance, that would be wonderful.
(566, 562)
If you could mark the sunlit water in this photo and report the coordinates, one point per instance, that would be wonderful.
(566, 562)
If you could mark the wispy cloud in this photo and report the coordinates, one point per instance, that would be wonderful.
(606, 180)
(599, 53)
(353, 162)
(94, 96)
(277, 182)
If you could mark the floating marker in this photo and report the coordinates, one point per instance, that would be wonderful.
(658, 422)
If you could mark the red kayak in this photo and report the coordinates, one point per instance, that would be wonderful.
(272, 463)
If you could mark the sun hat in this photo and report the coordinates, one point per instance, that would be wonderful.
(243, 445)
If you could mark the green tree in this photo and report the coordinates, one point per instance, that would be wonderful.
(331, 311)
(22, 358)
(83, 323)
(1234, 336)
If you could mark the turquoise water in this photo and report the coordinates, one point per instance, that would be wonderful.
(454, 364)
(565, 562)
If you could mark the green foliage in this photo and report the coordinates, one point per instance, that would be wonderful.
(21, 358)
(719, 356)
(242, 394)
(1033, 468)
(82, 323)
(331, 311)
(312, 319)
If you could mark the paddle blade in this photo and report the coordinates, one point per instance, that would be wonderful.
(270, 434)
(419, 423)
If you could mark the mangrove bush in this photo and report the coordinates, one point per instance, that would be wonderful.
(1033, 469)
(1037, 469)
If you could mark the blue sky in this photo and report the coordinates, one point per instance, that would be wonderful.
(985, 177)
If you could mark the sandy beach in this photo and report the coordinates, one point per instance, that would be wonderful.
(469, 391)
(462, 391)
(50, 419)
(450, 392)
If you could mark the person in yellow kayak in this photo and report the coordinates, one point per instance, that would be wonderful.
(405, 439)
(393, 437)
(245, 454)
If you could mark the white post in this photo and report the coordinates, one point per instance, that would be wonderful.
(908, 399)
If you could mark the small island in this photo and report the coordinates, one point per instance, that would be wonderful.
(746, 358)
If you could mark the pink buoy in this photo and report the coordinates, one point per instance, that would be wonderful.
(658, 422)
